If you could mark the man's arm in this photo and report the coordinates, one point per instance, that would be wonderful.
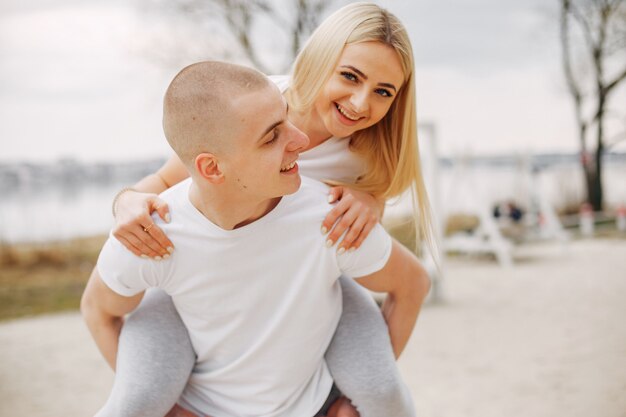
(103, 310)
(406, 283)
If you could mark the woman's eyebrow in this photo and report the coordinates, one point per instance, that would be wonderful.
(358, 71)
(388, 85)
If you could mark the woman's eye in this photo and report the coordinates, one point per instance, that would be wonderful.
(384, 93)
(349, 76)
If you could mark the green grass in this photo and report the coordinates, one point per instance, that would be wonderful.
(45, 278)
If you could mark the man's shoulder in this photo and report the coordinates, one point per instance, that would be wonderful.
(177, 193)
(313, 186)
(307, 205)
(312, 193)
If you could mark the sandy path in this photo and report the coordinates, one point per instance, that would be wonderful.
(543, 339)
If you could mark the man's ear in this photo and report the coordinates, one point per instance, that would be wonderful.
(207, 166)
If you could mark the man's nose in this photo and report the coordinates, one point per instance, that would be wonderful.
(298, 140)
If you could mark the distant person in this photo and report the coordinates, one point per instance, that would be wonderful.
(255, 286)
(352, 92)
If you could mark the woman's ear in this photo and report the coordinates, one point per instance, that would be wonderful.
(207, 166)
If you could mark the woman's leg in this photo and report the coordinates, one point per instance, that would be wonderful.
(154, 360)
(361, 359)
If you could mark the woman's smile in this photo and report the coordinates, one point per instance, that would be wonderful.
(346, 116)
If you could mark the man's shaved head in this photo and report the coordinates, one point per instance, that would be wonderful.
(198, 109)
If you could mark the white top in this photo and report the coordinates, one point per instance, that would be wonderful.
(331, 159)
(261, 302)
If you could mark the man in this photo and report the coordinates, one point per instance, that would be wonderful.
(251, 278)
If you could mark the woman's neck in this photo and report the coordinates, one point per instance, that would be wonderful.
(311, 124)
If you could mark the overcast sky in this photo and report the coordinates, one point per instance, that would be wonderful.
(77, 79)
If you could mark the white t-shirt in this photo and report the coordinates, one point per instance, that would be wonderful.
(331, 159)
(261, 302)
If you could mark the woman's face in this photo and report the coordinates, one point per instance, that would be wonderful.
(361, 88)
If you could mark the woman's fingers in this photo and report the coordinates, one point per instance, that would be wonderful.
(161, 239)
(355, 214)
(179, 411)
(333, 215)
(161, 208)
(346, 220)
(135, 250)
(342, 408)
(158, 237)
(135, 227)
(335, 193)
(354, 231)
(364, 233)
(147, 247)
(145, 235)
(144, 250)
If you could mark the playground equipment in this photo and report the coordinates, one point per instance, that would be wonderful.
(534, 216)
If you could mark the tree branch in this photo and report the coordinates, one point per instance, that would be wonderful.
(610, 86)
(620, 137)
(584, 23)
(572, 84)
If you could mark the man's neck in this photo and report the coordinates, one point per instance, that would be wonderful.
(226, 210)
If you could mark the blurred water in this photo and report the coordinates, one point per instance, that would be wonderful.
(56, 212)
(62, 211)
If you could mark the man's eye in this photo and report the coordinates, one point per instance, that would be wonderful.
(273, 139)
(349, 76)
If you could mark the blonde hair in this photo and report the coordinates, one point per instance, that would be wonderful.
(389, 147)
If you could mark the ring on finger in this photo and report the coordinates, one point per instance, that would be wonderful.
(147, 228)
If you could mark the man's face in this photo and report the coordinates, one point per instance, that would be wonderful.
(262, 161)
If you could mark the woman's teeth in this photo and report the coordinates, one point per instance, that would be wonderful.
(288, 167)
(342, 111)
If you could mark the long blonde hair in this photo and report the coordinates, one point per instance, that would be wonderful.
(389, 147)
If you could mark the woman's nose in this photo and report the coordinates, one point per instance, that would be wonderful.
(359, 101)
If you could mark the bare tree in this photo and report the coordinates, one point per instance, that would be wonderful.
(247, 23)
(593, 40)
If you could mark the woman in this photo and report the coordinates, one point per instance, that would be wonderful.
(352, 92)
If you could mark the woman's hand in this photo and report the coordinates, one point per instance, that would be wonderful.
(179, 411)
(342, 408)
(134, 227)
(355, 211)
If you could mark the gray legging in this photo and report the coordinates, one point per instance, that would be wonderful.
(155, 358)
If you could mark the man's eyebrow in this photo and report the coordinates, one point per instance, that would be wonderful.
(273, 125)
(358, 71)
(270, 128)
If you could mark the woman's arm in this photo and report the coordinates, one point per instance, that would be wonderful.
(355, 211)
(171, 173)
(133, 207)
(406, 283)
